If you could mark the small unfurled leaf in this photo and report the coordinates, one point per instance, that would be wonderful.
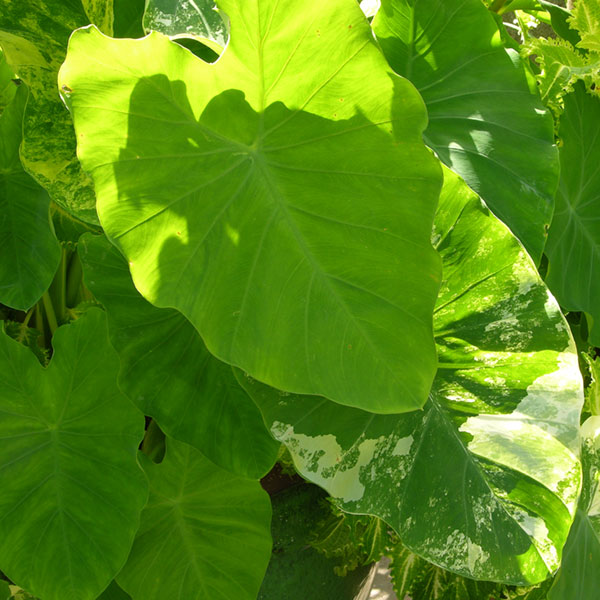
(352, 540)
(72, 490)
(421, 580)
(204, 532)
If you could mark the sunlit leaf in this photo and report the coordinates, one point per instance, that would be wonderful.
(242, 194)
(484, 480)
(484, 120)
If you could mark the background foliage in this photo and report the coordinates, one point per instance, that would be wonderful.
(361, 245)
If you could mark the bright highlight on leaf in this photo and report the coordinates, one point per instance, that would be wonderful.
(279, 203)
(484, 481)
(72, 490)
(485, 122)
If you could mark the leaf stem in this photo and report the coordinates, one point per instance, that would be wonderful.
(74, 281)
(497, 5)
(50, 314)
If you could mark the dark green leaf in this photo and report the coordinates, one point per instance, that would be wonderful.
(72, 491)
(170, 375)
(574, 238)
(114, 592)
(30, 251)
(242, 194)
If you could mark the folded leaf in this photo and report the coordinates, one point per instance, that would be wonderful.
(484, 480)
(30, 252)
(72, 490)
(277, 202)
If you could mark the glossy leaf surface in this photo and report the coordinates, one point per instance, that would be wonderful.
(484, 480)
(34, 37)
(241, 193)
(72, 491)
(204, 533)
(170, 375)
(578, 576)
(484, 120)
(574, 239)
(30, 252)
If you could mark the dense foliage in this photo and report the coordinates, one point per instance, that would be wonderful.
(368, 239)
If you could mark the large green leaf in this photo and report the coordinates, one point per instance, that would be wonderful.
(484, 120)
(170, 375)
(574, 238)
(579, 575)
(34, 37)
(30, 252)
(72, 491)
(280, 204)
(204, 533)
(484, 480)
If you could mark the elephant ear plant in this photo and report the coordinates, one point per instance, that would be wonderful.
(287, 225)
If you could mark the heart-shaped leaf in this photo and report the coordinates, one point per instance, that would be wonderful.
(72, 491)
(204, 533)
(275, 200)
(483, 481)
(30, 252)
(484, 120)
(170, 375)
(574, 239)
